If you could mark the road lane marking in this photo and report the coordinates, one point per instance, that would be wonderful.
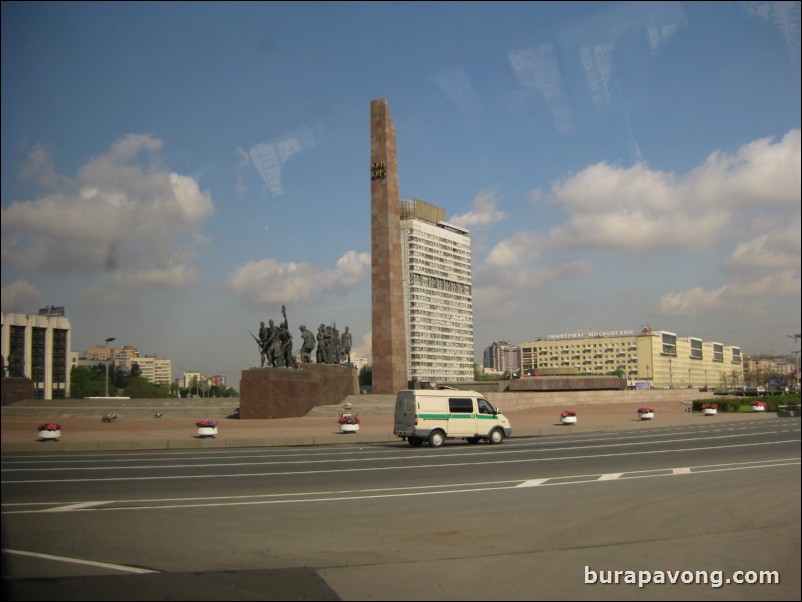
(95, 458)
(532, 483)
(482, 454)
(252, 475)
(102, 565)
(70, 507)
(333, 496)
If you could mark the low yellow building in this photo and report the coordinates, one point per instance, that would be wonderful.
(659, 358)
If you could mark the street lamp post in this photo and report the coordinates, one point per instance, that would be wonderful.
(670, 374)
(796, 357)
(109, 340)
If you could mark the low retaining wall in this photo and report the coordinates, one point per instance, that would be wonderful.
(513, 401)
(567, 383)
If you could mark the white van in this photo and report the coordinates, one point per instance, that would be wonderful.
(435, 415)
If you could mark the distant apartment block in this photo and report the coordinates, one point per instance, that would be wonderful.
(38, 347)
(436, 259)
(157, 370)
(502, 357)
(760, 371)
(196, 382)
(98, 354)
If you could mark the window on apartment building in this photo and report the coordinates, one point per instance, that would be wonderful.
(669, 344)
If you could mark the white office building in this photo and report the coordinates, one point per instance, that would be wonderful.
(438, 298)
(37, 346)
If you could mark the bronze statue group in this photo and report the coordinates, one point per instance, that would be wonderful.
(275, 344)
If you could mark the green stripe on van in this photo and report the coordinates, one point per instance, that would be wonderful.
(433, 416)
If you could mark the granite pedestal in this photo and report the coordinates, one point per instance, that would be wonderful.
(291, 392)
(16, 389)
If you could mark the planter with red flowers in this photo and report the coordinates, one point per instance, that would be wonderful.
(49, 431)
(349, 423)
(758, 406)
(645, 413)
(568, 417)
(709, 409)
(206, 428)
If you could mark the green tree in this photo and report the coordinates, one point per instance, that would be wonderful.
(118, 378)
(193, 385)
(141, 388)
(366, 376)
(221, 391)
(88, 381)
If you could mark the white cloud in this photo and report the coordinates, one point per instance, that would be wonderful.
(494, 287)
(494, 303)
(270, 281)
(364, 348)
(747, 201)
(19, 296)
(778, 250)
(762, 173)
(511, 252)
(693, 301)
(784, 283)
(118, 286)
(38, 168)
(350, 271)
(638, 209)
(744, 296)
(123, 214)
(484, 211)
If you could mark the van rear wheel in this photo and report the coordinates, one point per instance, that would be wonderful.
(496, 436)
(436, 438)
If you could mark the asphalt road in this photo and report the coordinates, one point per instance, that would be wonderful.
(535, 518)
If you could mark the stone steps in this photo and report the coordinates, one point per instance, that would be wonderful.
(363, 405)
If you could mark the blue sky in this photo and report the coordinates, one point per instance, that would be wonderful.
(173, 173)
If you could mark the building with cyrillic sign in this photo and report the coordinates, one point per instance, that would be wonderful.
(660, 358)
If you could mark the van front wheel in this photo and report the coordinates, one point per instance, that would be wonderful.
(436, 438)
(496, 436)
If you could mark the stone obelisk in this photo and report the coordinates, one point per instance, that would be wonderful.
(387, 277)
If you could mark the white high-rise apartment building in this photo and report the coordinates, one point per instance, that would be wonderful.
(438, 298)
